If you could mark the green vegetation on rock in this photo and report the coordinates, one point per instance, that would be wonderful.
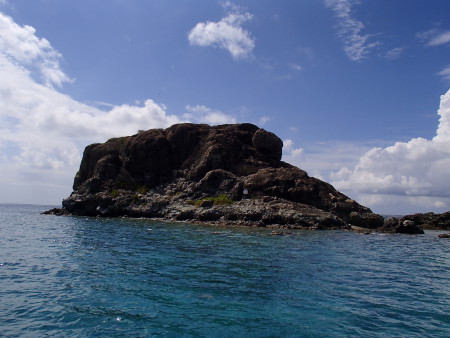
(218, 200)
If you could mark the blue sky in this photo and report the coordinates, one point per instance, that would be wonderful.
(357, 90)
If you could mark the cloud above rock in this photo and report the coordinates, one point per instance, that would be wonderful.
(203, 114)
(32, 114)
(225, 34)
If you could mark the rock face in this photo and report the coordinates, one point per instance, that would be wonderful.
(227, 174)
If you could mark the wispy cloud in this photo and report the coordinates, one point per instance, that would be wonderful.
(445, 73)
(295, 66)
(440, 39)
(263, 120)
(434, 37)
(308, 52)
(226, 34)
(357, 45)
(394, 53)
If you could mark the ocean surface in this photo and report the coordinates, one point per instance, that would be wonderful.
(102, 277)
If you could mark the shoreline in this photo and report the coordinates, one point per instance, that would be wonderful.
(276, 229)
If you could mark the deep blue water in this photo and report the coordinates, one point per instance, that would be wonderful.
(87, 277)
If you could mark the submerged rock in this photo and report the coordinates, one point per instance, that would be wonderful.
(228, 174)
(57, 212)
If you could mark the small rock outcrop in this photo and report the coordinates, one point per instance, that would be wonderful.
(227, 174)
(401, 226)
(430, 220)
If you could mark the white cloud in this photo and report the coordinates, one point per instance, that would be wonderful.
(356, 44)
(203, 114)
(417, 169)
(443, 130)
(21, 44)
(226, 34)
(45, 111)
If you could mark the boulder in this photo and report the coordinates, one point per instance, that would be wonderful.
(268, 144)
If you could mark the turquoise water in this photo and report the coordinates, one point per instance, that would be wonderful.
(87, 277)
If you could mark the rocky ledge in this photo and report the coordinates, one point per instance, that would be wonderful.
(227, 174)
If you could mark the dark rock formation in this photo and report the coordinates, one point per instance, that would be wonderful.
(227, 174)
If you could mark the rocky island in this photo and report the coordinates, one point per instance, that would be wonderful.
(227, 174)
